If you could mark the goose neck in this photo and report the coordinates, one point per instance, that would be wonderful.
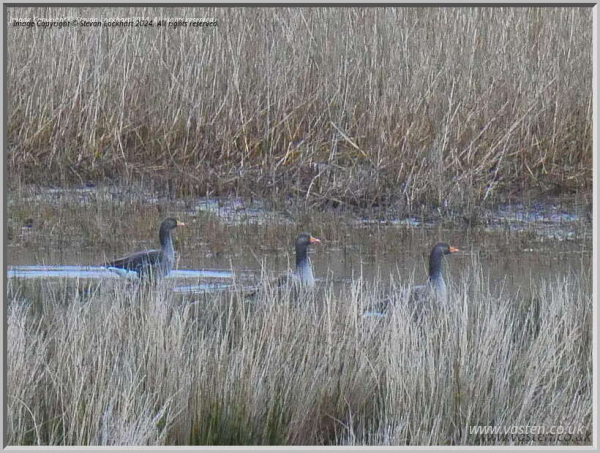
(303, 267)
(166, 242)
(435, 264)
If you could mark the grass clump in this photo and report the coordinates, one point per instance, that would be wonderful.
(143, 366)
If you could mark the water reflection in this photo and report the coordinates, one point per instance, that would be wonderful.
(60, 272)
(198, 277)
(202, 288)
(103, 272)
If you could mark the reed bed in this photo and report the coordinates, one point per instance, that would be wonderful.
(410, 110)
(357, 107)
(110, 363)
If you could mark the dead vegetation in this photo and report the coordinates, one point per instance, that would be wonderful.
(102, 364)
(353, 106)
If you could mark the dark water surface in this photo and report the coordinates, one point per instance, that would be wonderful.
(515, 246)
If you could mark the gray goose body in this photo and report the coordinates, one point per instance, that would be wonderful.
(303, 274)
(302, 277)
(435, 288)
(153, 263)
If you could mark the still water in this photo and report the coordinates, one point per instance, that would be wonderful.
(515, 247)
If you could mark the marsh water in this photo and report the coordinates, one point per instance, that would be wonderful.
(233, 239)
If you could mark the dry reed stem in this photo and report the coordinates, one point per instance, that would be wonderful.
(404, 105)
(142, 366)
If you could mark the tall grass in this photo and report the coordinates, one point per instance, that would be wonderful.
(109, 364)
(352, 106)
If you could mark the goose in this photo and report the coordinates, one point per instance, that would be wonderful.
(153, 263)
(302, 276)
(435, 289)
